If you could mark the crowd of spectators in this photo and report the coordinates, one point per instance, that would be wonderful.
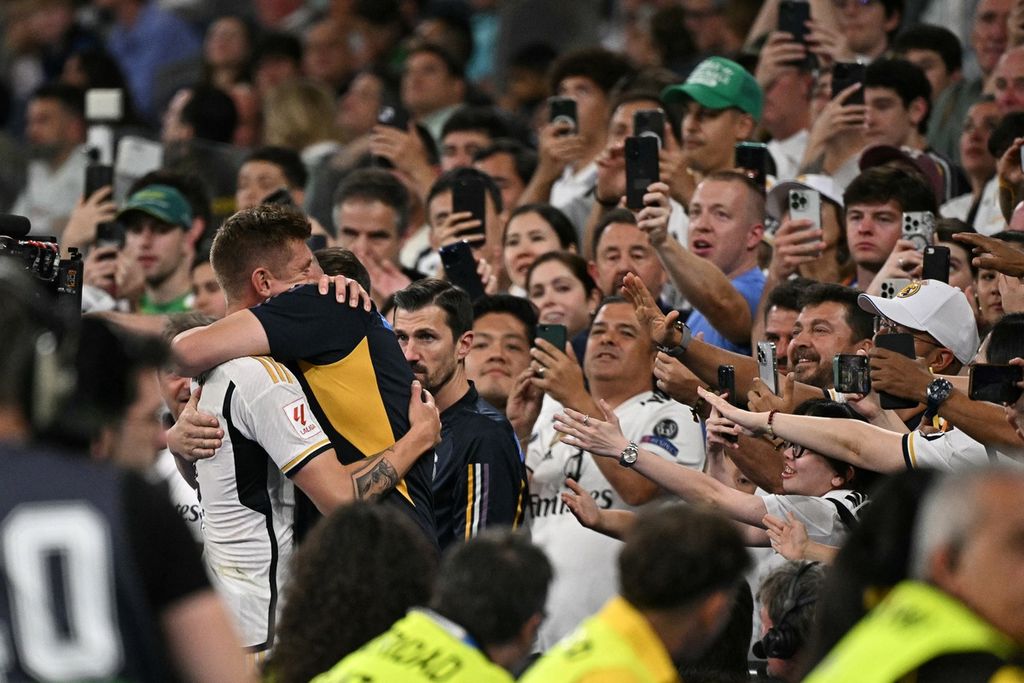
(406, 353)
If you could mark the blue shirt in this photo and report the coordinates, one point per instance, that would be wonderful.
(750, 285)
(157, 39)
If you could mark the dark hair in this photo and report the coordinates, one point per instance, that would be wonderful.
(485, 120)
(1014, 236)
(190, 187)
(536, 56)
(1010, 126)
(945, 228)
(288, 160)
(338, 600)
(71, 99)
(601, 66)
(341, 261)
(379, 12)
(458, 31)
(458, 310)
(860, 321)
(891, 7)
(787, 294)
(789, 595)
(375, 184)
(452, 65)
(492, 584)
(634, 94)
(861, 480)
(881, 184)
(523, 158)
(446, 183)
(278, 45)
(101, 69)
(683, 553)
(1006, 341)
(255, 237)
(904, 78)
(616, 215)
(516, 306)
(211, 113)
(574, 263)
(244, 74)
(938, 39)
(558, 221)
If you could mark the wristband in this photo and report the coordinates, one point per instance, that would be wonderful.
(771, 418)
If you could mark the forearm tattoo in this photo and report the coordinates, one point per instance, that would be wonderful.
(377, 478)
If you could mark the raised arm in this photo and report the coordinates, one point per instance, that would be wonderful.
(851, 441)
(604, 438)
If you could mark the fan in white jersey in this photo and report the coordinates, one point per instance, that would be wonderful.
(618, 365)
(817, 490)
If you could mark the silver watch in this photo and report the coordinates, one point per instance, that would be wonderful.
(629, 454)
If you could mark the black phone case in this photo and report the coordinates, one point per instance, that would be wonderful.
(556, 335)
(900, 343)
(395, 117)
(460, 269)
(649, 123)
(792, 17)
(641, 169)
(753, 158)
(97, 176)
(936, 264)
(845, 74)
(468, 194)
(563, 109)
(995, 383)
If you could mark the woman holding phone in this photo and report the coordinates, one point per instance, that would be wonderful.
(532, 230)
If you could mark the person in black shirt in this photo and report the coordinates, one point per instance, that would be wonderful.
(479, 473)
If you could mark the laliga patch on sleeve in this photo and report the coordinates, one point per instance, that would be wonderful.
(662, 443)
(301, 419)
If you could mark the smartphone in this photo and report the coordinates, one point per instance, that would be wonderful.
(893, 286)
(317, 242)
(556, 335)
(936, 263)
(641, 169)
(649, 123)
(845, 74)
(96, 177)
(104, 104)
(460, 269)
(995, 383)
(793, 18)
(919, 228)
(752, 158)
(900, 343)
(281, 196)
(805, 205)
(110, 235)
(851, 373)
(394, 117)
(768, 365)
(563, 110)
(469, 194)
(727, 384)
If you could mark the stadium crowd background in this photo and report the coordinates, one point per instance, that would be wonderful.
(423, 316)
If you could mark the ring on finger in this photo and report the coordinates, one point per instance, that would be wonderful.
(586, 420)
(540, 371)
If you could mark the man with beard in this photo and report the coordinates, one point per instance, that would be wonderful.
(479, 476)
(830, 322)
(55, 132)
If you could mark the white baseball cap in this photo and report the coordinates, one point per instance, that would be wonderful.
(934, 307)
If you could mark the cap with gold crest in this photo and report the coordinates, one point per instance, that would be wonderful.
(934, 307)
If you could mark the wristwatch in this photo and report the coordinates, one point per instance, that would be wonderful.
(678, 350)
(938, 391)
(629, 454)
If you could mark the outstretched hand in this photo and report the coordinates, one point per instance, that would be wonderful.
(581, 504)
(600, 437)
(662, 327)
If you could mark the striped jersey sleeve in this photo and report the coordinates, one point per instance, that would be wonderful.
(275, 413)
(494, 485)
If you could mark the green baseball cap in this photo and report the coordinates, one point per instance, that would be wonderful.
(719, 83)
(162, 202)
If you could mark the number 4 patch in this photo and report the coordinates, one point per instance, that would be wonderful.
(301, 419)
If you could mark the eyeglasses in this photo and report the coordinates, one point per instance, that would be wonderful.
(797, 450)
(885, 326)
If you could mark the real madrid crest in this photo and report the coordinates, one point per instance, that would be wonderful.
(910, 290)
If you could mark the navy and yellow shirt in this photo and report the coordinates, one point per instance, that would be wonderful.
(358, 382)
(480, 473)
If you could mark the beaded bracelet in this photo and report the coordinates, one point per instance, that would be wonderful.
(771, 417)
